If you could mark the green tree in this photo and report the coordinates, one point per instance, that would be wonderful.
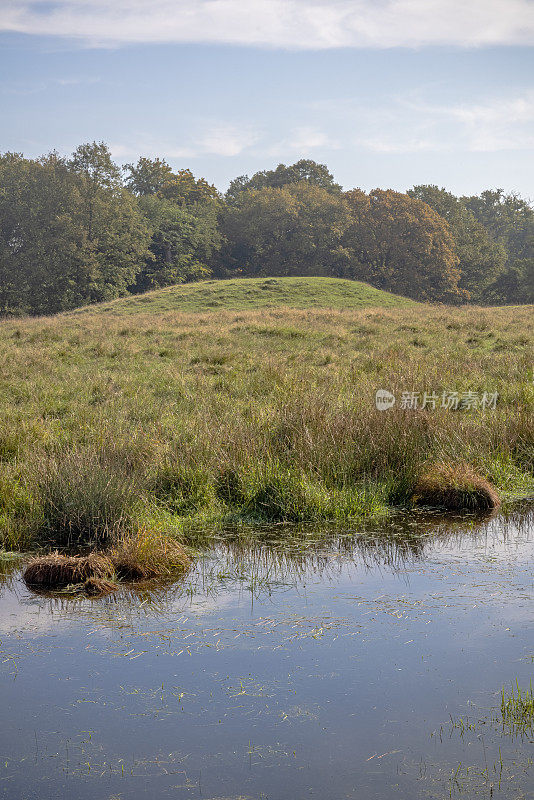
(481, 258)
(182, 245)
(182, 213)
(399, 243)
(69, 232)
(305, 170)
(292, 230)
(117, 234)
(148, 176)
(42, 249)
(510, 221)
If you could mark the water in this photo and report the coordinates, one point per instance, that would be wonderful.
(327, 672)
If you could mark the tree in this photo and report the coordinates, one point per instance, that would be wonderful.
(182, 244)
(399, 243)
(42, 249)
(148, 176)
(292, 230)
(510, 221)
(182, 213)
(481, 259)
(69, 232)
(117, 234)
(184, 189)
(305, 170)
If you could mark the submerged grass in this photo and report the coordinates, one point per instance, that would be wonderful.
(169, 421)
(517, 709)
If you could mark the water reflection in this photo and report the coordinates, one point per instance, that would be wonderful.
(323, 664)
(290, 555)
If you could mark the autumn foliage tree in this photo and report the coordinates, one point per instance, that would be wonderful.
(399, 243)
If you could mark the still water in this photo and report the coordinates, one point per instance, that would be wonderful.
(364, 667)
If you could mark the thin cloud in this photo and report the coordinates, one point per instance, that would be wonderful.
(410, 123)
(292, 24)
(302, 141)
(227, 140)
(217, 140)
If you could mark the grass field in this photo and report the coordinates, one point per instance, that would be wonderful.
(179, 420)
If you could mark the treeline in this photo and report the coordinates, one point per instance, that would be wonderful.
(81, 230)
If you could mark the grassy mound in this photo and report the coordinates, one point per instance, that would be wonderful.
(252, 293)
(456, 488)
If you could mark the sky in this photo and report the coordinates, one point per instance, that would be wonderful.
(387, 93)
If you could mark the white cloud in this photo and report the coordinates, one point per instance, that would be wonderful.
(296, 24)
(227, 140)
(500, 123)
(307, 139)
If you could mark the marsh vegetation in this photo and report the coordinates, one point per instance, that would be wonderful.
(180, 422)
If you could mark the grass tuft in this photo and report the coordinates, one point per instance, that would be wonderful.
(82, 498)
(455, 488)
(149, 555)
(517, 708)
(57, 571)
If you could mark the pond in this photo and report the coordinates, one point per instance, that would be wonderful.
(358, 666)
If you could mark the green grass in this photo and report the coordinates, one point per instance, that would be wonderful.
(517, 709)
(254, 293)
(178, 420)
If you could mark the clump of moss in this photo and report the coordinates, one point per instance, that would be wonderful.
(455, 488)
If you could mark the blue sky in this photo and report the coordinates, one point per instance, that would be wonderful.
(388, 93)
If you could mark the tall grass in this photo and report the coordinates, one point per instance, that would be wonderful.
(82, 497)
(180, 418)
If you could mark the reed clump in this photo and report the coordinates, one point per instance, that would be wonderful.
(455, 488)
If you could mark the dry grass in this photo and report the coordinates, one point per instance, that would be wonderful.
(57, 571)
(455, 488)
(144, 556)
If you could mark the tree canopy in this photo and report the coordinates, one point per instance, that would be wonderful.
(400, 243)
(481, 258)
(292, 230)
(304, 170)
